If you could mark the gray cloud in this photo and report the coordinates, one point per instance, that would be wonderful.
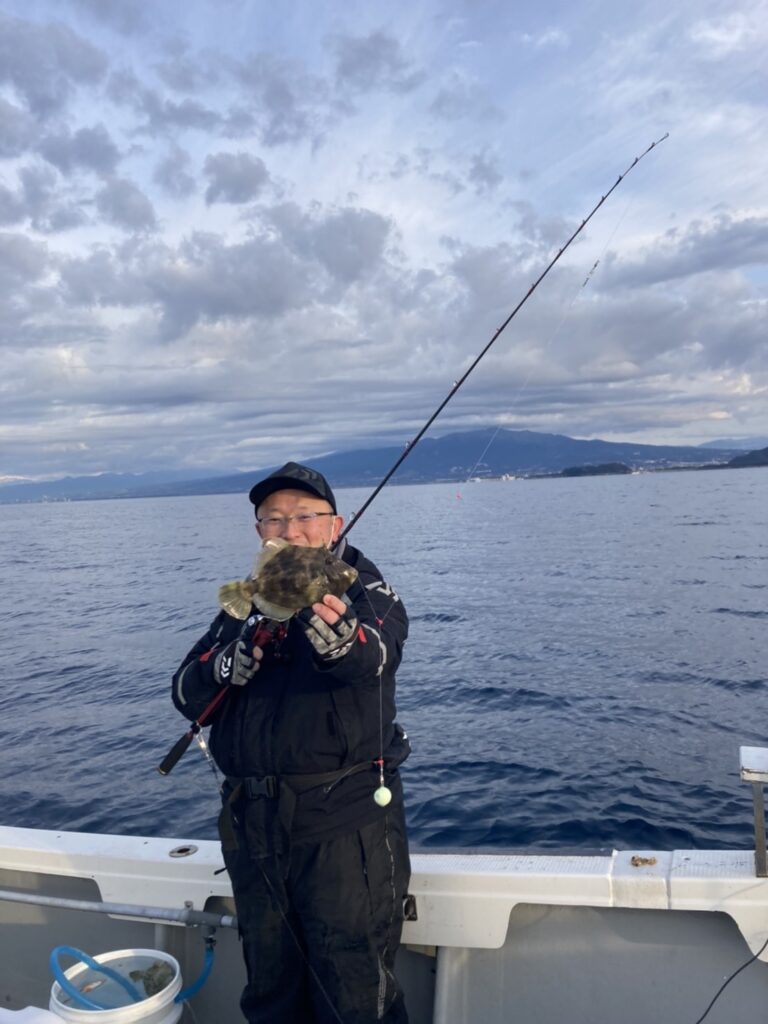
(12, 207)
(544, 232)
(725, 243)
(101, 279)
(127, 17)
(288, 104)
(723, 324)
(88, 148)
(653, 337)
(217, 281)
(490, 274)
(50, 207)
(349, 242)
(123, 204)
(191, 72)
(393, 344)
(239, 121)
(427, 164)
(125, 88)
(234, 177)
(160, 115)
(461, 98)
(207, 280)
(163, 115)
(22, 262)
(204, 280)
(17, 129)
(484, 173)
(59, 218)
(39, 199)
(279, 100)
(38, 187)
(45, 62)
(347, 290)
(375, 61)
(171, 174)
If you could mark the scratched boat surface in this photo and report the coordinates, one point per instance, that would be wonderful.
(631, 937)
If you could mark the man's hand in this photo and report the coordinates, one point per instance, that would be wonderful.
(330, 626)
(237, 663)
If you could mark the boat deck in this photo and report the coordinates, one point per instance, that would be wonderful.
(631, 937)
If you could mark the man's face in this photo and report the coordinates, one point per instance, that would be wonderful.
(286, 509)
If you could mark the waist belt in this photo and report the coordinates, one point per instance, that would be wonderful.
(275, 816)
(254, 787)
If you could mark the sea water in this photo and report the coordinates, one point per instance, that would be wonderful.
(585, 657)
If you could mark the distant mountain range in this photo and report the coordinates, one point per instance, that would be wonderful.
(455, 457)
(747, 444)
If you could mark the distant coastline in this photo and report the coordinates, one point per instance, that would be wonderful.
(471, 456)
(750, 459)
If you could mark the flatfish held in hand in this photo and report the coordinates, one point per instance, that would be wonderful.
(287, 578)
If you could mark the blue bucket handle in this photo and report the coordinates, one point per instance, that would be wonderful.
(201, 979)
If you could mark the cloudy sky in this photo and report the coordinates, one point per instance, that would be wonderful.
(233, 232)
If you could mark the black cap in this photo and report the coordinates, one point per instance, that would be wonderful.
(293, 477)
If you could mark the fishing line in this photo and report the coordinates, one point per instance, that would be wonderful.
(383, 795)
(556, 331)
(454, 389)
(297, 941)
(729, 980)
(528, 376)
(356, 517)
(458, 383)
(200, 738)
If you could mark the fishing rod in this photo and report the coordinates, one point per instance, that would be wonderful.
(264, 633)
(410, 445)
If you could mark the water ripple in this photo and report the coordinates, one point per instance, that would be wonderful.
(579, 674)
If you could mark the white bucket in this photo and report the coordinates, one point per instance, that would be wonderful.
(29, 1015)
(157, 1009)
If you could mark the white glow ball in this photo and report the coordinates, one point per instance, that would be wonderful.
(382, 796)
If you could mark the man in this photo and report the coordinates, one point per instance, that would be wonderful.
(319, 868)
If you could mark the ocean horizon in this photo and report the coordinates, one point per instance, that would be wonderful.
(585, 658)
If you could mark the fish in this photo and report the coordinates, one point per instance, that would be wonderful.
(286, 578)
(91, 985)
(155, 978)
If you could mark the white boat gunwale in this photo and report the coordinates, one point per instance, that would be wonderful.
(461, 899)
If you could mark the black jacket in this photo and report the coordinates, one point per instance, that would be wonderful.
(300, 717)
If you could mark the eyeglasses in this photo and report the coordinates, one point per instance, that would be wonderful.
(280, 522)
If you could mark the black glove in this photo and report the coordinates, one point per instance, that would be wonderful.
(235, 664)
(329, 642)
